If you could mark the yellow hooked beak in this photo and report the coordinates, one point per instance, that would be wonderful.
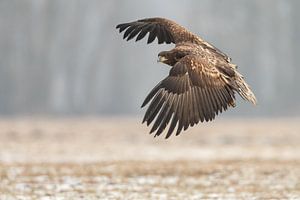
(161, 59)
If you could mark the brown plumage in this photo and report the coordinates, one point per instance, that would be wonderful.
(201, 83)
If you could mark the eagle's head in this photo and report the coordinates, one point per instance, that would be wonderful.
(171, 57)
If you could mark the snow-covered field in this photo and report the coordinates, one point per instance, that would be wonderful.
(115, 158)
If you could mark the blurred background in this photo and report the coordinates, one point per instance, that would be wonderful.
(71, 90)
(66, 57)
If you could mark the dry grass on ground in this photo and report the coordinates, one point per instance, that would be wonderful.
(95, 159)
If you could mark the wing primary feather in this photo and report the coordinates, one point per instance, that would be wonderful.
(151, 94)
(199, 103)
(170, 36)
(134, 32)
(167, 116)
(152, 35)
(184, 105)
(185, 111)
(226, 95)
(221, 92)
(220, 99)
(224, 102)
(213, 100)
(143, 32)
(231, 96)
(160, 35)
(172, 125)
(154, 104)
(188, 115)
(218, 92)
(191, 109)
(122, 27)
(195, 106)
(230, 92)
(165, 35)
(204, 105)
(175, 118)
(209, 103)
(129, 30)
(164, 123)
(180, 126)
(216, 100)
(161, 115)
(180, 115)
(153, 114)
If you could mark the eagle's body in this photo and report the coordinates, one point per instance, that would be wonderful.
(202, 81)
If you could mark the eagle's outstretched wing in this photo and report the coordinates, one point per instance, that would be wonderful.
(194, 91)
(163, 29)
(166, 31)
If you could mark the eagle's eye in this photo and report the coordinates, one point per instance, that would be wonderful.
(178, 56)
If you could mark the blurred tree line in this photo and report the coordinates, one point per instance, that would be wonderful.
(65, 57)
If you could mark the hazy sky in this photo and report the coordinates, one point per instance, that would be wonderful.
(65, 57)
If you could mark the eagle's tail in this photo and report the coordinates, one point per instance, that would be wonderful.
(244, 89)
